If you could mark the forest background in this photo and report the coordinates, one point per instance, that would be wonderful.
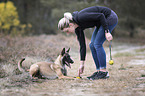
(35, 17)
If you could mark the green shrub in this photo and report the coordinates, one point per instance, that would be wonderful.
(8, 17)
(9, 20)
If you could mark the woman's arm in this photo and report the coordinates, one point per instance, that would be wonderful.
(82, 43)
(81, 39)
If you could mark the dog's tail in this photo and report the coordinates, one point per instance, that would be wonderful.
(20, 65)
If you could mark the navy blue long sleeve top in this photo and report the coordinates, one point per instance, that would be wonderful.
(87, 18)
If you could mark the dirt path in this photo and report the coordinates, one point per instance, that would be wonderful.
(126, 77)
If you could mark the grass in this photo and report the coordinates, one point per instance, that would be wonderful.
(122, 81)
(126, 54)
(140, 50)
(34, 49)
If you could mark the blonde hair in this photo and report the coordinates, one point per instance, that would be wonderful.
(64, 22)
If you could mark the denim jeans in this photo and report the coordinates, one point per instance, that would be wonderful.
(96, 45)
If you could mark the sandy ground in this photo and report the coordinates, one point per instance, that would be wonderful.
(127, 77)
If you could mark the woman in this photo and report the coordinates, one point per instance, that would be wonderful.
(104, 20)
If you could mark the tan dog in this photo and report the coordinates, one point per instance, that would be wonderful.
(50, 70)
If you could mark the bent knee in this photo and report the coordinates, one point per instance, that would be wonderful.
(91, 45)
(96, 45)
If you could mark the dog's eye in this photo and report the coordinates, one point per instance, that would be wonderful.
(68, 56)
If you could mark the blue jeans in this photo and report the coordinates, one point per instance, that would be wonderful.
(96, 46)
(97, 40)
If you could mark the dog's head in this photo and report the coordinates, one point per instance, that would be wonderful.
(66, 59)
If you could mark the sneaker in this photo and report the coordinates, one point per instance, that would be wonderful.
(92, 76)
(100, 75)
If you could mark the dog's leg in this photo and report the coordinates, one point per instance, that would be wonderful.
(61, 76)
(33, 77)
(34, 71)
(64, 71)
(65, 77)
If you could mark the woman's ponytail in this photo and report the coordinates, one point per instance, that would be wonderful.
(64, 22)
(68, 15)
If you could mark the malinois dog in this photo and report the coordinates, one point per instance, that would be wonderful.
(50, 70)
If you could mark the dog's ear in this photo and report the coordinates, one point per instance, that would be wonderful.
(68, 50)
(63, 51)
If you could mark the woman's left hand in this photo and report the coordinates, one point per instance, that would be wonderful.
(108, 36)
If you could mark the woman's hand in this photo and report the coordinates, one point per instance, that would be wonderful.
(81, 68)
(108, 36)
